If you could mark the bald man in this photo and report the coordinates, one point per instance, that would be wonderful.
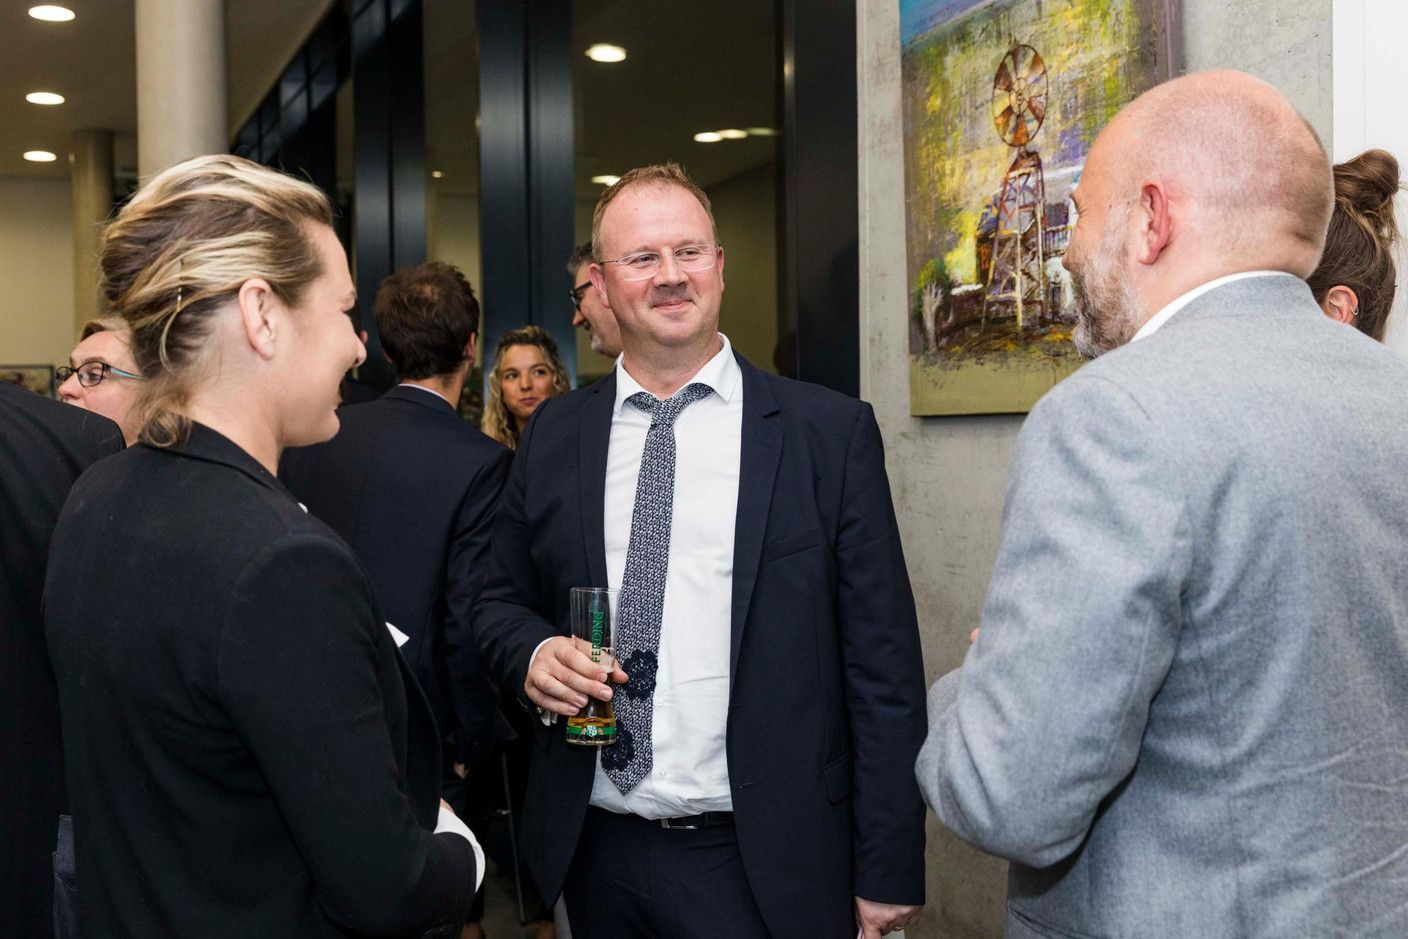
(1186, 712)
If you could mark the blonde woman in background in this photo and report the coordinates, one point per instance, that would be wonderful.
(101, 375)
(527, 371)
(246, 753)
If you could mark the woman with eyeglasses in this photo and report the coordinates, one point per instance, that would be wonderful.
(246, 752)
(101, 375)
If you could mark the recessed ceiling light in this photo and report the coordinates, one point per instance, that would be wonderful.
(436, 174)
(606, 180)
(733, 134)
(605, 52)
(39, 156)
(44, 97)
(708, 137)
(51, 14)
(762, 132)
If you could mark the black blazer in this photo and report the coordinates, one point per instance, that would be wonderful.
(44, 446)
(247, 754)
(826, 709)
(413, 489)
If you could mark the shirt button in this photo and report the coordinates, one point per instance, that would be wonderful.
(661, 773)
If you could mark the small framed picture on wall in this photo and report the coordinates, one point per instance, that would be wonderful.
(37, 378)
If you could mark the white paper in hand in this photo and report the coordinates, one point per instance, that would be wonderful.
(396, 634)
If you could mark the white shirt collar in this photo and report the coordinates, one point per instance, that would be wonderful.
(406, 384)
(720, 373)
(1164, 315)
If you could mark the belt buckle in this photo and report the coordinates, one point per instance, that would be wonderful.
(665, 823)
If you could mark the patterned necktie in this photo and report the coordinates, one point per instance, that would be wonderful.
(643, 588)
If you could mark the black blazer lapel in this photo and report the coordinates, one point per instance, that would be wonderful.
(595, 431)
(761, 451)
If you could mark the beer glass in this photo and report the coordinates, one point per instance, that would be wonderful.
(594, 633)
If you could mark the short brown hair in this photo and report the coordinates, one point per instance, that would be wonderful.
(661, 174)
(1359, 249)
(179, 251)
(582, 254)
(104, 324)
(425, 316)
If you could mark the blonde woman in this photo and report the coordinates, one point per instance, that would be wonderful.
(101, 375)
(527, 371)
(246, 753)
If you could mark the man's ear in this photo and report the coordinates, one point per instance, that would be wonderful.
(598, 277)
(1155, 222)
(469, 350)
(1341, 304)
(257, 305)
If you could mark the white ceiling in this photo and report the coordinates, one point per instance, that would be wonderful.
(690, 67)
(91, 61)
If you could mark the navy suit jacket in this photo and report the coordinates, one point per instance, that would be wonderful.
(826, 709)
(44, 446)
(413, 489)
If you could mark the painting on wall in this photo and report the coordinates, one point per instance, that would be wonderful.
(1002, 100)
(37, 378)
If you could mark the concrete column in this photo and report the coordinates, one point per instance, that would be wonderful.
(180, 82)
(91, 173)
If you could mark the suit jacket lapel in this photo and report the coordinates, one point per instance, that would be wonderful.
(761, 451)
(595, 431)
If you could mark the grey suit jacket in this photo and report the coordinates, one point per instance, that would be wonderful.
(1187, 712)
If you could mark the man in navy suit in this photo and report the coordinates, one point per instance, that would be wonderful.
(413, 489)
(44, 446)
(770, 696)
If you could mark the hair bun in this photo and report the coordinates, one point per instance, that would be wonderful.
(1366, 186)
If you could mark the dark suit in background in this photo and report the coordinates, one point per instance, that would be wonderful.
(44, 446)
(826, 707)
(247, 754)
(413, 489)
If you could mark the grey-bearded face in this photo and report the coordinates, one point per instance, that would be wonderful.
(1107, 307)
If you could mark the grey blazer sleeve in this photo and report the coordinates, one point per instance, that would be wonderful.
(1082, 616)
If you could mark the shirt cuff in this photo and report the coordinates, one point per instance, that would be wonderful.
(450, 822)
(547, 717)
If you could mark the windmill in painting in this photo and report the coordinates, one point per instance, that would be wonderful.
(1016, 280)
(1002, 101)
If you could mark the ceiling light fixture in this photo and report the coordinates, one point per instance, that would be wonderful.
(39, 156)
(733, 134)
(436, 174)
(51, 14)
(605, 52)
(708, 137)
(762, 132)
(606, 180)
(44, 97)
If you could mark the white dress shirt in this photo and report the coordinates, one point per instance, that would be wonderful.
(432, 391)
(1164, 315)
(689, 774)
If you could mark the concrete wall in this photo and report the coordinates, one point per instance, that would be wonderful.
(949, 474)
(36, 272)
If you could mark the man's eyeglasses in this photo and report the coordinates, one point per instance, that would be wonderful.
(577, 293)
(92, 373)
(647, 263)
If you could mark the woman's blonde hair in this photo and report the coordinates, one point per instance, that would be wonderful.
(497, 422)
(179, 251)
(103, 324)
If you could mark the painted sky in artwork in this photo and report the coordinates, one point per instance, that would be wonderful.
(1099, 55)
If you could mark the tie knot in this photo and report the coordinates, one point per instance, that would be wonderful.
(665, 412)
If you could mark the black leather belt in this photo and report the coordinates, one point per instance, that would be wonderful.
(703, 820)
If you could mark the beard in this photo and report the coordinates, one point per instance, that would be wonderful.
(1107, 307)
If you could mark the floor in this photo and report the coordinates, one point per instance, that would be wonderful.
(501, 909)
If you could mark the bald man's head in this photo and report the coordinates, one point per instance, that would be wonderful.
(1207, 175)
(1233, 145)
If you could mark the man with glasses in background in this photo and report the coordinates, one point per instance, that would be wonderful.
(589, 312)
(769, 696)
